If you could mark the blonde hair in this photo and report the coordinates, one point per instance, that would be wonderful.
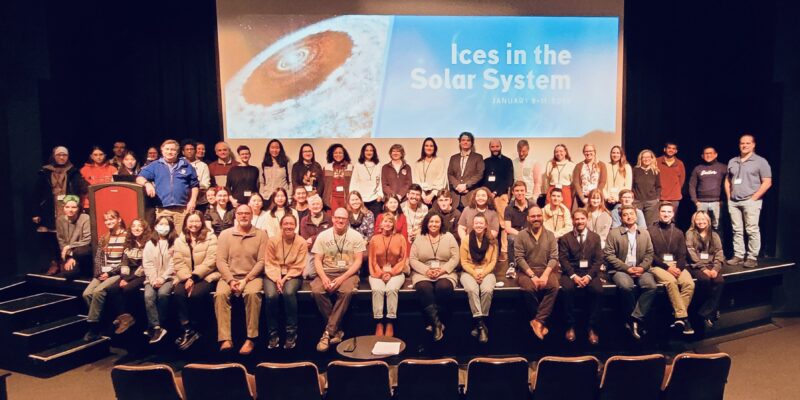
(701, 213)
(653, 165)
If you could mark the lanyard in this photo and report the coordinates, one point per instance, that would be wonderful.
(283, 251)
(340, 249)
(661, 234)
(425, 170)
(386, 247)
(631, 245)
(438, 243)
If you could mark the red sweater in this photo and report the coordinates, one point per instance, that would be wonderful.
(672, 179)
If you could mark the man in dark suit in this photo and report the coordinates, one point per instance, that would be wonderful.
(465, 171)
(580, 255)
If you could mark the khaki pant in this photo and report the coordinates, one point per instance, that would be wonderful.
(333, 312)
(176, 213)
(252, 308)
(679, 290)
(500, 203)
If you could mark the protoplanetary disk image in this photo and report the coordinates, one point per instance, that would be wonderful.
(320, 81)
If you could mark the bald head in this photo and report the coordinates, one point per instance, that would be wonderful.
(495, 147)
(340, 221)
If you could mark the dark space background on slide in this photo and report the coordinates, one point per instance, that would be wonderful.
(90, 72)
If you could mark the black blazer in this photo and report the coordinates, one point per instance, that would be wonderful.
(570, 253)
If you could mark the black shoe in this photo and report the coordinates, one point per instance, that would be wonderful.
(158, 334)
(687, 328)
(274, 341)
(750, 263)
(187, 340)
(437, 328)
(291, 340)
(678, 325)
(633, 328)
(93, 333)
(483, 332)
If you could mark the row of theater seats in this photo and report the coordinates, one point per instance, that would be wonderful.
(689, 377)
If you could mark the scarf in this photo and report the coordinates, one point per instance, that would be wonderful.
(356, 219)
(478, 252)
(58, 178)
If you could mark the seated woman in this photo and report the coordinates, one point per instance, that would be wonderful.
(433, 260)
(131, 275)
(220, 215)
(391, 205)
(300, 201)
(478, 258)
(279, 207)
(706, 259)
(107, 260)
(387, 259)
(361, 219)
(599, 217)
(74, 233)
(284, 262)
(481, 203)
(256, 203)
(195, 261)
(159, 271)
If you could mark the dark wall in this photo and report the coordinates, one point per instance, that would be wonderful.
(92, 72)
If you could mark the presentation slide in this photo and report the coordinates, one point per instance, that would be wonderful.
(408, 76)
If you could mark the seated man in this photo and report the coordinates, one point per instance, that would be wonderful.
(536, 256)
(414, 210)
(240, 261)
(629, 254)
(515, 220)
(557, 218)
(580, 256)
(669, 265)
(338, 252)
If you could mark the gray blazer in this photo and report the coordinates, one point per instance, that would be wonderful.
(616, 250)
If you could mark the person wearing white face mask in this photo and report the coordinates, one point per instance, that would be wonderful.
(159, 271)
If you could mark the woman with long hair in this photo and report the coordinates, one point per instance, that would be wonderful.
(361, 219)
(220, 216)
(478, 259)
(588, 175)
(279, 208)
(367, 179)
(129, 167)
(647, 185)
(336, 177)
(620, 176)
(307, 172)
(705, 261)
(131, 280)
(599, 216)
(260, 215)
(107, 262)
(430, 172)
(274, 169)
(159, 271)
(481, 203)
(387, 260)
(392, 206)
(97, 170)
(558, 174)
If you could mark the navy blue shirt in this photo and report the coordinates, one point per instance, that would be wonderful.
(173, 184)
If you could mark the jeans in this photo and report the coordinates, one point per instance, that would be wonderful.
(627, 285)
(713, 210)
(156, 303)
(389, 290)
(95, 296)
(649, 209)
(744, 218)
(289, 296)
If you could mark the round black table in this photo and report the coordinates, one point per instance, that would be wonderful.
(360, 347)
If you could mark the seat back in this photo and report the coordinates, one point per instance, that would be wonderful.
(427, 379)
(214, 382)
(497, 378)
(617, 383)
(296, 381)
(151, 382)
(366, 380)
(566, 378)
(698, 377)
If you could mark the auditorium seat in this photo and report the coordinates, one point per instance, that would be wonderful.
(148, 382)
(497, 378)
(427, 379)
(220, 381)
(566, 378)
(292, 381)
(697, 377)
(363, 380)
(648, 372)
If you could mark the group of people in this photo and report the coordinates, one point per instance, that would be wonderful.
(232, 228)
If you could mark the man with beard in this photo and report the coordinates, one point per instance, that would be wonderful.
(498, 175)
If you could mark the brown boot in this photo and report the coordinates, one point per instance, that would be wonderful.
(379, 329)
(247, 348)
(54, 269)
(538, 329)
(225, 345)
(389, 329)
(593, 338)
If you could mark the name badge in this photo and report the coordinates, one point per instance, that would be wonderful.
(341, 264)
(434, 264)
(614, 190)
(247, 193)
(61, 197)
(284, 270)
(737, 181)
(492, 178)
(105, 269)
(125, 270)
(387, 268)
(340, 188)
(309, 188)
(704, 256)
(583, 264)
(668, 257)
(559, 186)
(630, 260)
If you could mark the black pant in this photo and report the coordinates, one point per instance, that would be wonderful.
(594, 299)
(122, 297)
(191, 306)
(709, 288)
(434, 293)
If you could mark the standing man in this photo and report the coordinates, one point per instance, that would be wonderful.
(414, 210)
(172, 182)
(337, 258)
(581, 256)
(219, 169)
(119, 150)
(242, 179)
(748, 179)
(189, 151)
(629, 253)
(705, 185)
(465, 170)
(672, 174)
(497, 177)
(536, 256)
(528, 171)
(240, 261)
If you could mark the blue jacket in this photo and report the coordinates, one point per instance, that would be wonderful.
(173, 185)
